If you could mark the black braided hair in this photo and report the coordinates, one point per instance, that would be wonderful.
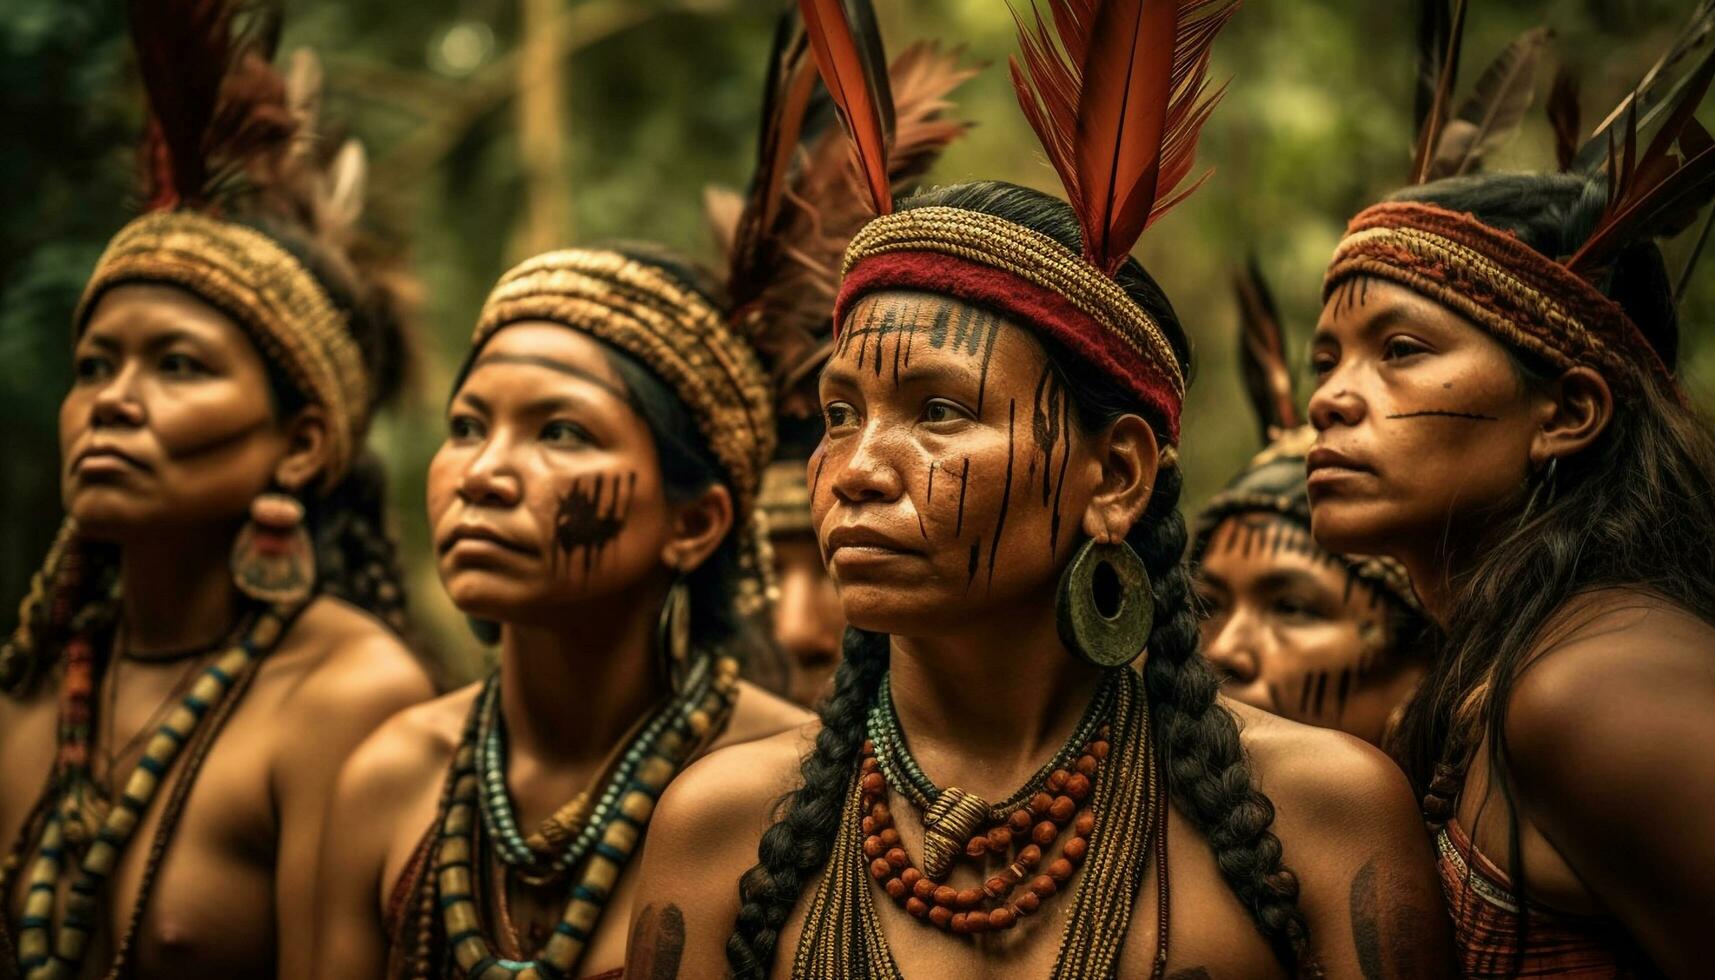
(1209, 779)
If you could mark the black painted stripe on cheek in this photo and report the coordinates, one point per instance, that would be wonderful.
(1006, 490)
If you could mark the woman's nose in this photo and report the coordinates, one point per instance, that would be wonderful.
(867, 474)
(1233, 650)
(490, 478)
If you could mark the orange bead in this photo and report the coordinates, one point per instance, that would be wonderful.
(1059, 869)
(880, 870)
(869, 765)
(977, 922)
(896, 857)
(896, 889)
(1027, 903)
(874, 785)
(976, 847)
(946, 895)
(1074, 850)
(1056, 781)
(1045, 833)
(970, 898)
(1039, 803)
(1099, 749)
(872, 848)
(1019, 822)
(1029, 855)
(1002, 918)
(910, 876)
(883, 816)
(1078, 787)
(916, 906)
(1086, 765)
(940, 915)
(959, 923)
(868, 826)
(1062, 809)
(1000, 840)
(1043, 886)
(889, 837)
(1085, 825)
(997, 887)
(924, 889)
(868, 747)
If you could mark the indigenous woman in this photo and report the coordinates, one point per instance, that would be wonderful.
(1293, 629)
(993, 789)
(206, 642)
(1497, 408)
(604, 441)
(783, 241)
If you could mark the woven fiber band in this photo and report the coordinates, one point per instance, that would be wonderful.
(1523, 297)
(785, 498)
(249, 277)
(670, 328)
(1022, 274)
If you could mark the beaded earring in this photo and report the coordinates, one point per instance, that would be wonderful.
(273, 559)
(1105, 607)
(673, 634)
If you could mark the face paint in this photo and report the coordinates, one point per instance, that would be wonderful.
(585, 522)
(1445, 413)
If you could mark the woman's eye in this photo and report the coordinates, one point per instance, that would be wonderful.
(92, 368)
(839, 415)
(182, 366)
(942, 410)
(1288, 607)
(463, 427)
(1322, 362)
(562, 433)
(1400, 347)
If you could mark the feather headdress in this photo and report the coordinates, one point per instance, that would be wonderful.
(1262, 354)
(783, 238)
(1454, 142)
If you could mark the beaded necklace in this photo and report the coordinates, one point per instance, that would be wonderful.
(679, 728)
(1113, 836)
(59, 824)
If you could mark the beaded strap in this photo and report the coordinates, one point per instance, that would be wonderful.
(695, 714)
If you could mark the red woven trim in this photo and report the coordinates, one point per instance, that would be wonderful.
(1022, 301)
(1546, 324)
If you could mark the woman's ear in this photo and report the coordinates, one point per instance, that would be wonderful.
(1129, 457)
(306, 449)
(1580, 407)
(698, 527)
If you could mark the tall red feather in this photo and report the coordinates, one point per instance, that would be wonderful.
(853, 83)
(1117, 94)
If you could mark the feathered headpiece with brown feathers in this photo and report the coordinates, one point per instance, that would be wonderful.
(1117, 92)
(783, 238)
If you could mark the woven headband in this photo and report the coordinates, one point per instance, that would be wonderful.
(672, 329)
(1519, 295)
(1026, 276)
(282, 307)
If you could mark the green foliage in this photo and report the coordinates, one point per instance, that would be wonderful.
(660, 99)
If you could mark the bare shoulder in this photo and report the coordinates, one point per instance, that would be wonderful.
(1325, 784)
(413, 746)
(758, 713)
(338, 657)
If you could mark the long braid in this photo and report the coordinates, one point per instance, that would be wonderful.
(356, 557)
(1207, 774)
(797, 846)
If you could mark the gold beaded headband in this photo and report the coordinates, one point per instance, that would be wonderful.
(671, 328)
(1022, 273)
(785, 497)
(282, 307)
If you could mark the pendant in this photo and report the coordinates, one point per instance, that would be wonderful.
(949, 822)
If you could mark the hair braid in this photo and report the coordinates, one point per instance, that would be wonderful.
(1207, 774)
(799, 842)
(356, 557)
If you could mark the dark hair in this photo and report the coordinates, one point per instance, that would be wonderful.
(1208, 778)
(1635, 510)
(356, 556)
(688, 465)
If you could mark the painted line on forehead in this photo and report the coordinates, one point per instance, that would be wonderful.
(1445, 413)
(964, 483)
(1006, 490)
(983, 376)
(910, 337)
(938, 327)
(536, 360)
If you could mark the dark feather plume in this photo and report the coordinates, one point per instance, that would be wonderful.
(1262, 353)
(784, 240)
(219, 124)
(1659, 88)
(1434, 30)
(847, 48)
(1117, 95)
(1565, 115)
(1492, 114)
(1441, 96)
(1659, 192)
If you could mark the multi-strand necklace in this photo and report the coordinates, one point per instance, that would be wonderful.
(477, 808)
(1100, 785)
(71, 821)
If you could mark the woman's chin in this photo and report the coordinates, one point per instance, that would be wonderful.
(895, 611)
(1351, 527)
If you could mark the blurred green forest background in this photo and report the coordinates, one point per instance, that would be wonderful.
(498, 127)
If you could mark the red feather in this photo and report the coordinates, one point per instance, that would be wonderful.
(853, 83)
(1117, 95)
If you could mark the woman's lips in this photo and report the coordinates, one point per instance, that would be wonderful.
(854, 545)
(477, 539)
(101, 460)
(1327, 468)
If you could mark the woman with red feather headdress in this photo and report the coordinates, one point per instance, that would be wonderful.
(1497, 408)
(994, 783)
(217, 624)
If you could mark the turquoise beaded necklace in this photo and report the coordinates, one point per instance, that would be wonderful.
(681, 727)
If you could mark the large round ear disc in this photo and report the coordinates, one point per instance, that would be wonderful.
(1105, 608)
